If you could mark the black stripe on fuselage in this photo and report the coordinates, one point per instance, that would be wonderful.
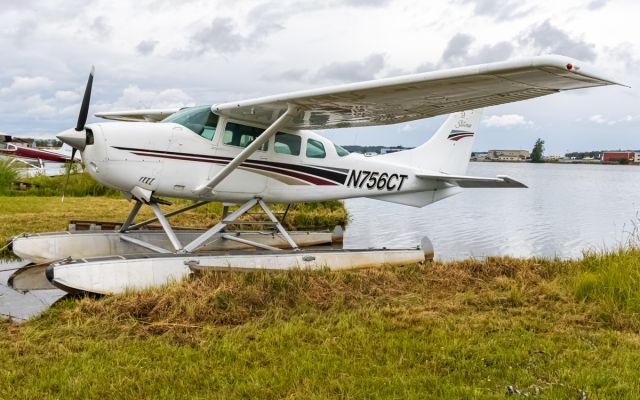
(337, 177)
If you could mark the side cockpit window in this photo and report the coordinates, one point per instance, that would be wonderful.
(315, 149)
(197, 119)
(286, 143)
(241, 135)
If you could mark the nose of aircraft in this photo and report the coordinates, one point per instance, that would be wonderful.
(74, 138)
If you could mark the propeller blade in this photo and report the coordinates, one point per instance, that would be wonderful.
(69, 165)
(84, 108)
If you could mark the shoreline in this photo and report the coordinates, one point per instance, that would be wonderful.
(554, 162)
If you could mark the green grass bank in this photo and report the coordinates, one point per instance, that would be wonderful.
(467, 329)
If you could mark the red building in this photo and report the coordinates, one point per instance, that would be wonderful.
(617, 156)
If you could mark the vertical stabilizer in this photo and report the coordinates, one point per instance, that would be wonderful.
(447, 151)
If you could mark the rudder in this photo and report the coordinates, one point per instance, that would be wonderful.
(447, 151)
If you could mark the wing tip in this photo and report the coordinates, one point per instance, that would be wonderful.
(572, 65)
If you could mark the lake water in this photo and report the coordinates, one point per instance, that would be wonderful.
(568, 208)
(20, 306)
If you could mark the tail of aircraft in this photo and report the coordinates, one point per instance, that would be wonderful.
(444, 159)
(449, 150)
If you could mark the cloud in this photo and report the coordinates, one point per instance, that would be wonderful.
(22, 84)
(38, 107)
(458, 47)
(42, 110)
(344, 71)
(135, 98)
(596, 4)
(364, 3)
(146, 47)
(600, 119)
(278, 10)
(499, 10)
(626, 53)
(67, 96)
(459, 52)
(100, 27)
(289, 75)
(222, 36)
(541, 38)
(546, 38)
(505, 120)
(352, 71)
(407, 128)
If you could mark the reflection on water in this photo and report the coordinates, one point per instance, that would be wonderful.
(20, 306)
(567, 209)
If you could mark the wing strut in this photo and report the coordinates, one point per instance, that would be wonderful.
(247, 152)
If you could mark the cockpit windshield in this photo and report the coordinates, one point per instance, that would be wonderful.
(341, 150)
(198, 119)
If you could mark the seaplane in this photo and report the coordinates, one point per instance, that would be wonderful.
(261, 151)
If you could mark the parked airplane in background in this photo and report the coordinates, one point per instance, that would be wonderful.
(61, 155)
(34, 161)
(261, 150)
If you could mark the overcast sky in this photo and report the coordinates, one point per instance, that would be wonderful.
(162, 53)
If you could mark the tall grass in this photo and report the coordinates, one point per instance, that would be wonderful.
(464, 329)
(79, 185)
(8, 176)
(611, 281)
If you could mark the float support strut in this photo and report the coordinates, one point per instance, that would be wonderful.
(200, 240)
(167, 215)
(175, 242)
(131, 217)
(278, 225)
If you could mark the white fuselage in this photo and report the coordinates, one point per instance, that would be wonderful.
(169, 159)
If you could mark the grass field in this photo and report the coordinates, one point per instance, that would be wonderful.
(466, 329)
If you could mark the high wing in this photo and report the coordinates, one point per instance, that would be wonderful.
(138, 115)
(411, 97)
(500, 181)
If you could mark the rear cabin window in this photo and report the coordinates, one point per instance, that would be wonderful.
(198, 119)
(241, 135)
(315, 149)
(287, 143)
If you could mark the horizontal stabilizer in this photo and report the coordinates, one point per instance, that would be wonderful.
(138, 115)
(500, 181)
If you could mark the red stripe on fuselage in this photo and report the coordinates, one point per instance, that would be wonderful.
(247, 164)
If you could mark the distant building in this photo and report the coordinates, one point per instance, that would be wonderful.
(508, 155)
(615, 157)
